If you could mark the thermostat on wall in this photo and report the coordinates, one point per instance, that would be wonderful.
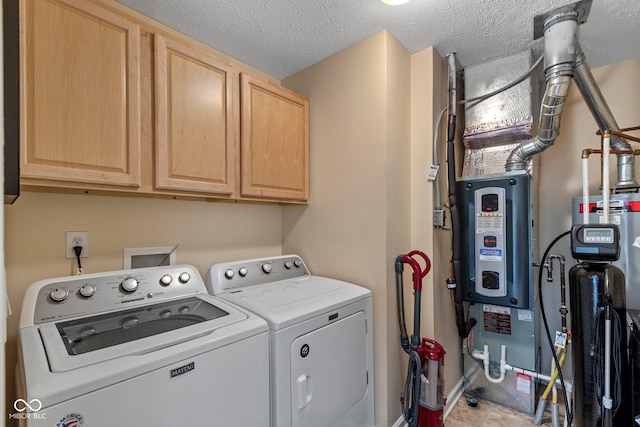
(149, 257)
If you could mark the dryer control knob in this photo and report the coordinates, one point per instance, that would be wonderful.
(288, 265)
(297, 263)
(243, 271)
(87, 290)
(184, 277)
(229, 274)
(166, 279)
(267, 267)
(130, 284)
(59, 294)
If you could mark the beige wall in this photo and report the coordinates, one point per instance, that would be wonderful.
(372, 112)
(206, 233)
(429, 88)
(358, 220)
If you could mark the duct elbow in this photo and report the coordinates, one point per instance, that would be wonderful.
(517, 160)
(558, 83)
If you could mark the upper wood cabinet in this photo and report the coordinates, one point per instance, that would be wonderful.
(195, 138)
(79, 93)
(274, 141)
(114, 102)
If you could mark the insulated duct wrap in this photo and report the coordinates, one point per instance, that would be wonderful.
(496, 126)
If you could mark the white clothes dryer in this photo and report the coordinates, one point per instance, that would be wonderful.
(321, 339)
(146, 347)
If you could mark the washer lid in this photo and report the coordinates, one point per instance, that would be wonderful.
(71, 344)
(287, 302)
(105, 330)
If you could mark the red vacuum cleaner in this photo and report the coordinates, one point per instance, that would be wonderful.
(423, 399)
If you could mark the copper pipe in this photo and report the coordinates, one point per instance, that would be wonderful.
(587, 152)
(621, 134)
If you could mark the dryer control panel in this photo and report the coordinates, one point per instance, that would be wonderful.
(66, 297)
(251, 272)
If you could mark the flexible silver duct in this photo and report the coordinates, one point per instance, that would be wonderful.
(604, 119)
(559, 57)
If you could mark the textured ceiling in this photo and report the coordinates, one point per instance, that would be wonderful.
(281, 37)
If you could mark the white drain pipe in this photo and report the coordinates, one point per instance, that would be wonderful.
(504, 367)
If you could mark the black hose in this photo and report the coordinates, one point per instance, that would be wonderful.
(463, 327)
(404, 338)
(410, 399)
(568, 413)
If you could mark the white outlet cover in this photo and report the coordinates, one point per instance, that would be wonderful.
(70, 243)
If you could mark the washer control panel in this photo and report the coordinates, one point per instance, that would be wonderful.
(251, 272)
(72, 296)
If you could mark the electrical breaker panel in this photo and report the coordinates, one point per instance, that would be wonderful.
(496, 221)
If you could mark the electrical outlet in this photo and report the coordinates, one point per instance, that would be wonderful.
(77, 238)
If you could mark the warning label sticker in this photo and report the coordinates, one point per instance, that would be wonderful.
(523, 383)
(492, 224)
(497, 319)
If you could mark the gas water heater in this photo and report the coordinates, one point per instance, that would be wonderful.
(496, 221)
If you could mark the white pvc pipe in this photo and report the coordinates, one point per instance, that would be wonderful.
(484, 356)
(539, 376)
(606, 145)
(607, 402)
(585, 190)
(504, 367)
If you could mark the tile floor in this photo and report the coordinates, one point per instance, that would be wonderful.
(488, 414)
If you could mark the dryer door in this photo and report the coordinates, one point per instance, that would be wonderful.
(329, 371)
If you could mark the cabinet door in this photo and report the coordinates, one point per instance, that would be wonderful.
(194, 120)
(274, 141)
(80, 93)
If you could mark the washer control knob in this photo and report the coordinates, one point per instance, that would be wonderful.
(297, 263)
(288, 265)
(243, 271)
(166, 279)
(87, 290)
(130, 284)
(229, 274)
(267, 267)
(184, 277)
(59, 294)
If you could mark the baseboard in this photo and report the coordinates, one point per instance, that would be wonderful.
(454, 395)
(452, 398)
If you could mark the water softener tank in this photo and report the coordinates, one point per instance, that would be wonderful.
(593, 286)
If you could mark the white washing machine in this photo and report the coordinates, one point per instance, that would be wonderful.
(321, 339)
(144, 347)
